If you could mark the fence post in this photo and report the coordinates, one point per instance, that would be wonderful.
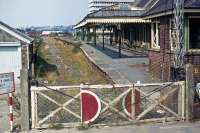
(81, 109)
(180, 91)
(25, 106)
(33, 109)
(189, 92)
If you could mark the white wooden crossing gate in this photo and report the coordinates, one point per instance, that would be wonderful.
(120, 104)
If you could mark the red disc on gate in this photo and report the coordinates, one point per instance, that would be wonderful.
(127, 103)
(91, 106)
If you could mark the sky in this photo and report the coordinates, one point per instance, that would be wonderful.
(22, 13)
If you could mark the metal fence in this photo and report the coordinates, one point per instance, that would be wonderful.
(120, 104)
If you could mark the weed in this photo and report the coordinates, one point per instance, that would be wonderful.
(83, 126)
(56, 126)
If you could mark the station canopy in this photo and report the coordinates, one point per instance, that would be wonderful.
(116, 14)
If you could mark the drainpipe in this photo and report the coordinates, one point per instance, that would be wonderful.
(94, 32)
(120, 40)
(103, 39)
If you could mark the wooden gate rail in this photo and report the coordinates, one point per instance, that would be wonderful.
(109, 104)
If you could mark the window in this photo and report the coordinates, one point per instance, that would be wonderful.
(194, 33)
(171, 34)
(155, 35)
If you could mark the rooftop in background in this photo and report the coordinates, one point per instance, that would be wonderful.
(119, 10)
(95, 5)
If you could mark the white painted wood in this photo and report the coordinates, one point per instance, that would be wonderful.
(183, 100)
(60, 106)
(33, 106)
(49, 116)
(116, 100)
(133, 95)
(108, 86)
(16, 35)
(10, 57)
(109, 104)
(116, 110)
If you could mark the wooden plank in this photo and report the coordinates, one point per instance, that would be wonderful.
(146, 111)
(63, 106)
(50, 99)
(49, 116)
(189, 92)
(117, 111)
(25, 100)
(33, 106)
(115, 100)
(74, 114)
(183, 101)
(159, 101)
(71, 100)
(180, 101)
(133, 95)
(169, 110)
(108, 86)
(110, 104)
(34, 88)
(36, 108)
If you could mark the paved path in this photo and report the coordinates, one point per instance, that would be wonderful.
(132, 67)
(4, 119)
(159, 128)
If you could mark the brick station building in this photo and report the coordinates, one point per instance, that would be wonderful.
(161, 52)
(148, 24)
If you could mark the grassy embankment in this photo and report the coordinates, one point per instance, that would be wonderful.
(60, 63)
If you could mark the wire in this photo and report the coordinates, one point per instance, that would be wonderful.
(67, 95)
(133, 103)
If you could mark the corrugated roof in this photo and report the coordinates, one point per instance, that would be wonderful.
(160, 6)
(117, 13)
(16, 31)
(166, 5)
(153, 7)
(118, 10)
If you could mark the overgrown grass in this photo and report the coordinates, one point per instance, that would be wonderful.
(44, 70)
(74, 70)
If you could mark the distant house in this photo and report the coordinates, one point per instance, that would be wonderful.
(15, 51)
(48, 33)
(95, 5)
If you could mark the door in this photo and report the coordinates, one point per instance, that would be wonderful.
(10, 60)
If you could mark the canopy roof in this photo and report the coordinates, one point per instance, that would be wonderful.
(137, 13)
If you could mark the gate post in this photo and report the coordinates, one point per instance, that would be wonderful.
(181, 100)
(25, 101)
(189, 92)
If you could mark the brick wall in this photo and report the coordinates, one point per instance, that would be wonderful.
(160, 65)
(162, 58)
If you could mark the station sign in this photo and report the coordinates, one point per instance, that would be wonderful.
(7, 83)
